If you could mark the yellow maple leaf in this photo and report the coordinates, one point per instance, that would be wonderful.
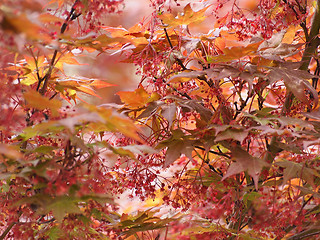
(37, 101)
(135, 99)
(188, 16)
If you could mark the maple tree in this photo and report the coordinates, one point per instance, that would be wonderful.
(220, 139)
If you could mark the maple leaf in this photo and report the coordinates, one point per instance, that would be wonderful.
(245, 162)
(314, 114)
(230, 75)
(193, 105)
(61, 206)
(36, 100)
(49, 18)
(150, 110)
(9, 151)
(169, 112)
(296, 82)
(175, 149)
(92, 42)
(137, 98)
(235, 53)
(20, 24)
(297, 170)
(187, 17)
(114, 122)
(81, 84)
(176, 145)
(230, 132)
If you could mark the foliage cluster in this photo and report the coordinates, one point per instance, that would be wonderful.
(223, 126)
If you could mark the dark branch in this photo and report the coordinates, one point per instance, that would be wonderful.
(72, 15)
(177, 59)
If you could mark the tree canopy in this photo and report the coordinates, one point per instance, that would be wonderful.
(218, 140)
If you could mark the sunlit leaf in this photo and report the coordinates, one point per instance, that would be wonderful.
(134, 99)
(234, 53)
(82, 84)
(188, 16)
(290, 34)
(115, 123)
(10, 151)
(36, 100)
(49, 18)
(20, 24)
(87, 90)
(101, 84)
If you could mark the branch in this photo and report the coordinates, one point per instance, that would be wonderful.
(313, 39)
(4, 234)
(46, 78)
(177, 59)
(220, 153)
(174, 89)
(311, 47)
(305, 234)
(217, 171)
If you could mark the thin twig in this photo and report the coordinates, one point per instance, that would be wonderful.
(174, 89)
(214, 152)
(177, 59)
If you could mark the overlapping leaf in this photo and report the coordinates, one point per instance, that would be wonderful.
(81, 84)
(297, 170)
(296, 82)
(176, 145)
(245, 162)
